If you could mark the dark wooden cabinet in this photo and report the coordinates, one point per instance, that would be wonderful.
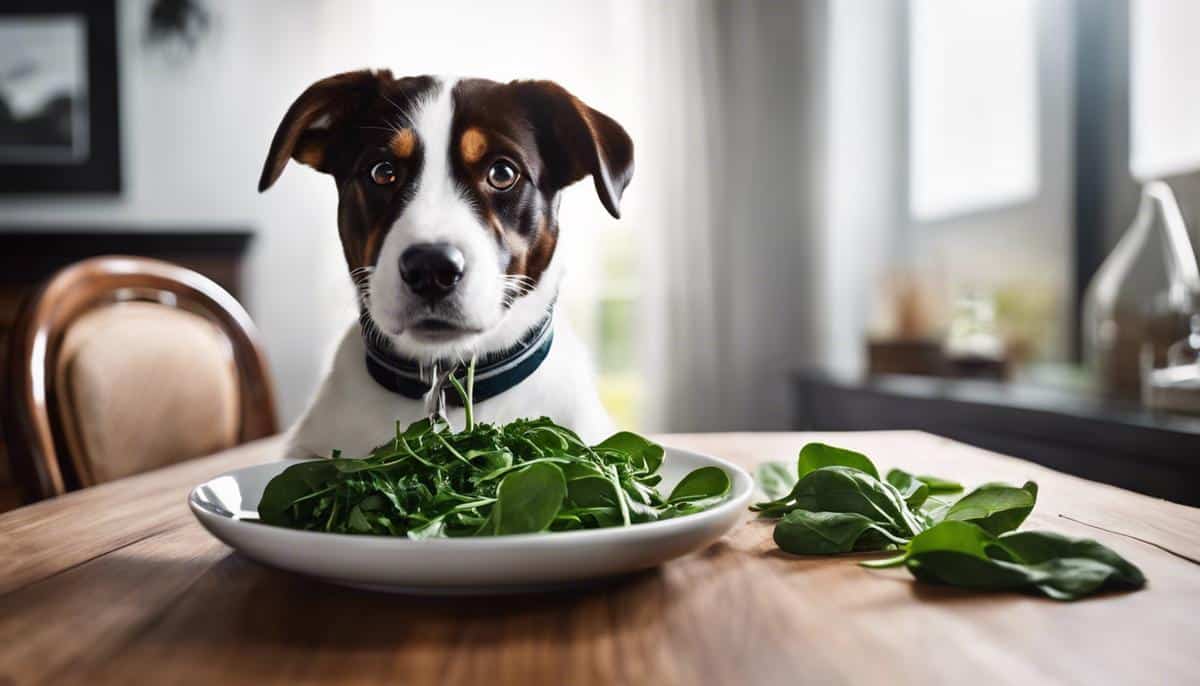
(1124, 445)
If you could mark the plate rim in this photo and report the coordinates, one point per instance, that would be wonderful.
(736, 501)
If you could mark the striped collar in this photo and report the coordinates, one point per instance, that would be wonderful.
(495, 372)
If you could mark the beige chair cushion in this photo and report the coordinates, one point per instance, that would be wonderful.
(142, 385)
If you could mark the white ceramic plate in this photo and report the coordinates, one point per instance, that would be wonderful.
(227, 507)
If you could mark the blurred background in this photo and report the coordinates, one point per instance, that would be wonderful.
(846, 214)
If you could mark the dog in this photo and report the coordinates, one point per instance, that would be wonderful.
(448, 196)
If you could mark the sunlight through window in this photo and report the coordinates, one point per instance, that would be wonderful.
(973, 110)
(1164, 87)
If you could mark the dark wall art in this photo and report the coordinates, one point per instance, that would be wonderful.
(58, 97)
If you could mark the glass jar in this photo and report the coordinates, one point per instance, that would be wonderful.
(1141, 299)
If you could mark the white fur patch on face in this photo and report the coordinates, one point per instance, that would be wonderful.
(441, 212)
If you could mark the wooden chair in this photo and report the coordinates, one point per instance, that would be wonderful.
(120, 364)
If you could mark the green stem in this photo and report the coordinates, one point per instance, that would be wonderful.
(886, 562)
(470, 407)
(466, 394)
(314, 494)
(332, 512)
(466, 401)
(616, 482)
(453, 451)
(418, 458)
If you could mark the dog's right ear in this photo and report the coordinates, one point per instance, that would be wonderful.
(312, 121)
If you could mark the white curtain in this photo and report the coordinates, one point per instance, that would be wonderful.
(734, 98)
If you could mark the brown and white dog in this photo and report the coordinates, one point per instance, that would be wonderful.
(448, 201)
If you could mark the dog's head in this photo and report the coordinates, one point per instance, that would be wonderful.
(448, 195)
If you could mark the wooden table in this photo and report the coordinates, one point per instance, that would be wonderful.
(118, 584)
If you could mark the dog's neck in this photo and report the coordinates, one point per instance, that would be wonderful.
(492, 374)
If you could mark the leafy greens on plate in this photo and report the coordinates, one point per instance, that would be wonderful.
(527, 476)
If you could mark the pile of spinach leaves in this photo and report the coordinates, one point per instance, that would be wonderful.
(527, 476)
(836, 502)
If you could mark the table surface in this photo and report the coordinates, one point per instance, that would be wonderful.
(118, 583)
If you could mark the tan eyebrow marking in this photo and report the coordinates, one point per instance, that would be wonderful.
(403, 142)
(473, 145)
(311, 155)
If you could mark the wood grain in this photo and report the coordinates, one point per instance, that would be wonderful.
(118, 584)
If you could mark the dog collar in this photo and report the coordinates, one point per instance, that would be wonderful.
(495, 373)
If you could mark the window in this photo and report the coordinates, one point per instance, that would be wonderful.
(973, 106)
(1164, 87)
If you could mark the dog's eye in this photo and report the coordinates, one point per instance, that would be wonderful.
(502, 175)
(383, 173)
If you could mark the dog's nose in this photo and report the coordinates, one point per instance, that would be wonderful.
(432, 270)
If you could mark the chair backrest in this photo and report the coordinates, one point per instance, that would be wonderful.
(122, 364)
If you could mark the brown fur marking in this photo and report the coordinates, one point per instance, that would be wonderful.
(373, 244)
(473, 145)
(541, 250)
(403, 143)
(311, 155)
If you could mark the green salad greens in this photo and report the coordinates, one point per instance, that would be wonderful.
(527, 476)
(836, 502)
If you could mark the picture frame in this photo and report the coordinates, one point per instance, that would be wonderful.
(59, 117)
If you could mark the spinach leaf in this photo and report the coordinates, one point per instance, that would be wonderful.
(592, 491)
(913, 490)
(434, 528)
(1074, 578)
(940, 486)
(957, 553)
(822, 533)
(846, 489)
(934, 509)
(775, 479)
(280, 504)
(838, 505)
(995, 507)
(528, 500)
(1044, 547)
(814, 456)
(357, 522)
(641, 452)
(705, 482)
(964, 554)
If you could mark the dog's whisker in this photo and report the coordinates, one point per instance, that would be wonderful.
(390, 101)
(516, 286)
(389, 129)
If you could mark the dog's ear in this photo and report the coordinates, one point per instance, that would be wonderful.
(575, 140)
(313, 120)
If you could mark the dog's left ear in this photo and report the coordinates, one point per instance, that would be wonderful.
(575, 140)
